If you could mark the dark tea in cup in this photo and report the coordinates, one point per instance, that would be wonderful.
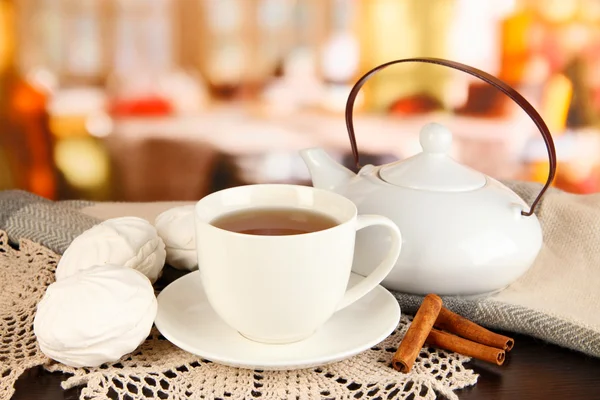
(274, 221)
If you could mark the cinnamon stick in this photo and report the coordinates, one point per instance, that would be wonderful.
(454, 323)
(417, 333)
(465, 347)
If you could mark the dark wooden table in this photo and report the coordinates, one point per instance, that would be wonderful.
(533, 370)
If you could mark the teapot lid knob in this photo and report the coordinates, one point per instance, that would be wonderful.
(435, 139)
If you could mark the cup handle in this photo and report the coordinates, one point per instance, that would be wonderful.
(383, 269)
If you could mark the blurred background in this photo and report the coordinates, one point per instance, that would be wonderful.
(144, 100)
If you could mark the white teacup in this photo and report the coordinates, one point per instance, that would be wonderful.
(281, 289)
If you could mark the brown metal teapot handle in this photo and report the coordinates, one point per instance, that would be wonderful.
(484, 76)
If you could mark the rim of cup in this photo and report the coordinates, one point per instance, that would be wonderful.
(345, 210)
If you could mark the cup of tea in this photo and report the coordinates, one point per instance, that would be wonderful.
(275, 259)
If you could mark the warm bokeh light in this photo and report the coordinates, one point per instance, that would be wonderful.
(88, 88)
(82, 161)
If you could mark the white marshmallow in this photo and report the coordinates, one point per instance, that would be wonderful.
(128, 241)
(95, 316)
(182, 259)
(177, 229)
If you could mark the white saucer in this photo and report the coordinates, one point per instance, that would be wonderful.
(187, 320)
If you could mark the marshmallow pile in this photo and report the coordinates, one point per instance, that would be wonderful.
(102, 305)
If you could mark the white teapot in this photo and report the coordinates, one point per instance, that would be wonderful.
(464, 233)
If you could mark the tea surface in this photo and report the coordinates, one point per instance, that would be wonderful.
(274, 221)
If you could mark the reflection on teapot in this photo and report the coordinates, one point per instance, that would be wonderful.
(464, 233)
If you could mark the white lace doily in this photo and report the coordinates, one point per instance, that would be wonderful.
(24, 276)
(158, 369)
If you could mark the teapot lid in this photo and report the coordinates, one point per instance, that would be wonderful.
(433, 169)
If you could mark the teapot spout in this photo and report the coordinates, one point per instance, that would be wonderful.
(325, 172)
